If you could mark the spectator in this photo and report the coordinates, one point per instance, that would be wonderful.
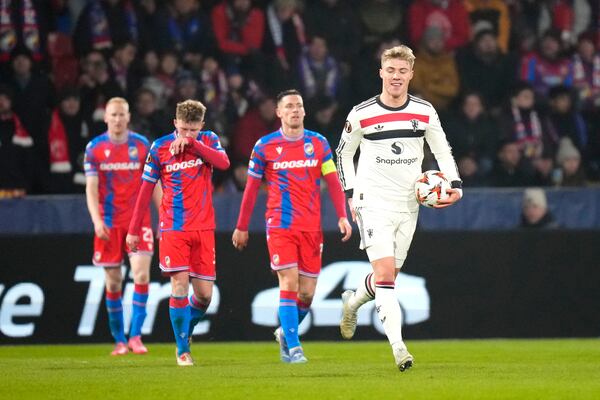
(510, 169)
(470, 172)
(167, 76)
(214, 94)
(380, 19)
(257, 122)
(473, 132)
(32, 91)
(68, 136)
(547, 67)
(323, 117)
(189, 32)
(243, 92)
(568, 160)
(104, 23)
(543, 170)
(16, 156)
(284, 41)
(483, 67)
(435, 75)
(318, 72)
(343, 35)
(564, 120)
(448, 15)
(96, 86)
(490, 15)
(123, 70)
(153, 17)
(535, 212)
(523, 124)
(586, 72)
(146, 118)
(239, 30)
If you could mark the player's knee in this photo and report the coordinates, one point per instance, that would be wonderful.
(305, 297)
(141, 277)
(203, 298)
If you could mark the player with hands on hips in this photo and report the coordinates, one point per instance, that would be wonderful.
(390, 129)
(292, 161)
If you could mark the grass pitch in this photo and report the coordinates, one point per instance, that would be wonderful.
(478, 369)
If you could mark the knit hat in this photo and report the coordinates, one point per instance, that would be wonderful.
(566, 151)
(534, 197)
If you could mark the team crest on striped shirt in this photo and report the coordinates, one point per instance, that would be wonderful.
(133, 152)
(309, 149)
(415, 124)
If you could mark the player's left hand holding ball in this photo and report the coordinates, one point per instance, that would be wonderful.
(454, 195)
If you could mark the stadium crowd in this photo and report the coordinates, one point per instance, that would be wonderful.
(516, 82)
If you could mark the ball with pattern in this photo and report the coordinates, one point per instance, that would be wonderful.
(430, 188)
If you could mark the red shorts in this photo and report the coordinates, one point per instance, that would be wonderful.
(289, 249)
(109, 253)
(188, 251)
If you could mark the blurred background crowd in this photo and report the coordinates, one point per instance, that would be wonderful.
(516, 82)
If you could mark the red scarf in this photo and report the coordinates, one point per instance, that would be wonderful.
(8, 33)
(21, 136)
(58, 143)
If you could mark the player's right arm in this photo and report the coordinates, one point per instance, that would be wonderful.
(91, 192)
(349, 142)
(93, 205)
(150, 178)
(256, 167)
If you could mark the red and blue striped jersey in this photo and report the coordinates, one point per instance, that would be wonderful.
(186, 184)
(292, 170)
(119, 167)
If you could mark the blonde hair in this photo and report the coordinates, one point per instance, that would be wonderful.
(118, 100)
(401, 52)
(190, 111)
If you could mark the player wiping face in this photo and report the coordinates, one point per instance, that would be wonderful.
(185, 130)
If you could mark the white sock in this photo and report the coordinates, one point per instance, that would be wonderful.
(389, 311)
(363, 294)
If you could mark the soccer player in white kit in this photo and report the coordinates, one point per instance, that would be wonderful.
(390, 129)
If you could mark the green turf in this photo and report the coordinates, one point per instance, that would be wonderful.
(482, 369)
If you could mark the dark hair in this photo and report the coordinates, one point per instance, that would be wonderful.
(289, 92)
(519, 87)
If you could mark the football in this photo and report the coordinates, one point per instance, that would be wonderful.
(430, 188)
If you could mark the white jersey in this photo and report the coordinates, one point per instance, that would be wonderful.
(391, 152)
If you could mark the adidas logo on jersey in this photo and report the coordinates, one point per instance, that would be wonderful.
(119, 166)
(295, 164)
(183, 165)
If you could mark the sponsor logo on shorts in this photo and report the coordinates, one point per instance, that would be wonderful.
(97, 256)
(183, 165)
(295, 164)
(119, 166)
(396, 161)
(276, 259)
(168, 261)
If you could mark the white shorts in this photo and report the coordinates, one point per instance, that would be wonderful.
(386, 233)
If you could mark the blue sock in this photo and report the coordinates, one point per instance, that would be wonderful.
(114, 307)
(197, 312)
(140, 298)
(180, 320)
(288, 316)
(303, 309)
